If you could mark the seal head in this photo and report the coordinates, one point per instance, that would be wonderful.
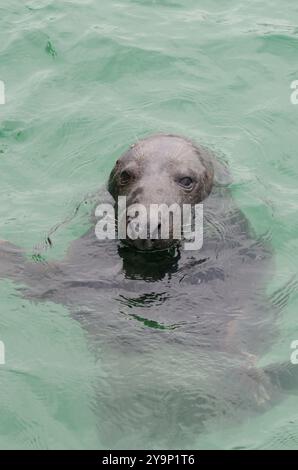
(161, 169)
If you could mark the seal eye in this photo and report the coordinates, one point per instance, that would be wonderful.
(186, 182)
(125, 177)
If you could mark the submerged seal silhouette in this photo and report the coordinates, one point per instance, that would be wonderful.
(162, 169)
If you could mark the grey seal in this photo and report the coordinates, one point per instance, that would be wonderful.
(181, 330)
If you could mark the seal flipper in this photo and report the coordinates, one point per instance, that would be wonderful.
(267, 384)
(12, 261)
(284, 376)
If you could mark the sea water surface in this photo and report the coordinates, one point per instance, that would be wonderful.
(84, 79)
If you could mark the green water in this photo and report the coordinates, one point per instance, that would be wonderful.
(84, 79)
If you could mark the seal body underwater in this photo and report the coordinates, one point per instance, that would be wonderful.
(182, 328)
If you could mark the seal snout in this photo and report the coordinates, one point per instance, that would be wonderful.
(144, 229)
